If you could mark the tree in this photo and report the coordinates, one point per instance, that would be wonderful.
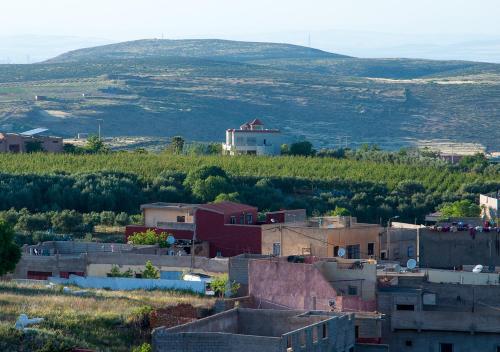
(461, 208)
(96, 145)
(207, 190)
(122, 219)
(33, 222)
(115, 272)
(304, 148)
(339, 211)
(221, 284)
(10, 253)
(67, 221)
(107, 218)
(149, 237)
(176, 145)
(224, 197)
(150, 272)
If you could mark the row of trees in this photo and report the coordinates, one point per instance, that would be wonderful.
(65, 221)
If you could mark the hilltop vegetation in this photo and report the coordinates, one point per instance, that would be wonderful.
(371, 188)
(199, 88)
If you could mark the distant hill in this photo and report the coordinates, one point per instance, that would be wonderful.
(198, 88)
(225, 50)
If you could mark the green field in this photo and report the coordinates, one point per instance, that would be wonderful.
(104, 320)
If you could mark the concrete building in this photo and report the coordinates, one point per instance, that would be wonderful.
(252, 138)
(399, 243)
(64, 258)
(22, 143)
(229, 228)
(490, 206)
(323, 237)
(440, 311)
(260, 330)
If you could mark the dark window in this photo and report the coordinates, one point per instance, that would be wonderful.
(233, 220)
(242, 219)
(409, 343)
(405, 307)
(351, 349)
(277, 249)
(249, 219)
(371, 248)
(383, 255)
(324, 332)
(336, 251)
(353, 252)
(55, 141)
(181, 219)
(14, 148)
(356, 331)
(446, 347)
(353, 291)
(498, 348)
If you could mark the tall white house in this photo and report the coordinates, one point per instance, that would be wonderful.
(252, 138)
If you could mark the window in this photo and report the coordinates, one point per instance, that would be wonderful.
(218, 254)
(336, 251)
(410, 251)
(242, 219)
(352, 291)
(277, 249)
(39, 275)
(249, 219)
(324, 332)
(233, 220)
(371, 248)
(356, 331)
(408, 343)
(446, 347)
(383, 255)
(181, 219)
(498, 348)
(353, 252)
(405, 307)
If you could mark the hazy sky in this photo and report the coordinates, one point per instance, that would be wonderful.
(132, 19)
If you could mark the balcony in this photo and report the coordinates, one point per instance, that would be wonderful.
(445, 321)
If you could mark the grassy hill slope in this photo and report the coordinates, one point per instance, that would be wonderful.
(143, 88)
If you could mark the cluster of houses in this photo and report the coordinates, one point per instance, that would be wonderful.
(307, 284)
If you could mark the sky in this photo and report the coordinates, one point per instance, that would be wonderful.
(331, 24)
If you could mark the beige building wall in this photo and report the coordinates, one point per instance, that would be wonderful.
(320, 242)
(153, 216)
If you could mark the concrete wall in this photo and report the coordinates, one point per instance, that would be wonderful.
(101, 264)
(427, 341)
(462, 277)
(125, 284)
(260, 330)
(296, 286)
(403, 243)
(341, 275)
(319, 241)
(153, 216)
(238, 270)
(50, 264)
(445, 250)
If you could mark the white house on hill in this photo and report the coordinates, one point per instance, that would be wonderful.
(252, 138)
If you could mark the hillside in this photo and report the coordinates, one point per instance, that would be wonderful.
(225, 50)
(199, 88)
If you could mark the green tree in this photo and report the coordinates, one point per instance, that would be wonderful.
(339, 211)
(10, 253)
(122, 219)
(107, 218)
(96, 145)
(68, 221)
(461, 208)
(145, 347)
(33, 222)
(221, 285)
(207, 190)
(150, 272)
(176, 145)
(231, 197)
(115, 272)
(304, 148)
(149, 237)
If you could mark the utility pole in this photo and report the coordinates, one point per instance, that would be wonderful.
(99, 124)
(192, 241)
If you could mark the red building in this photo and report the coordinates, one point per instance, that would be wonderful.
(229, 228)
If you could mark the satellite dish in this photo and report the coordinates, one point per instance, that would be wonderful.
(477, 269)
(341, 252)
(411, 264)
(170, 239)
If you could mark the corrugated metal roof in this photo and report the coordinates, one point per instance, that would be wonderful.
(34, 132)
